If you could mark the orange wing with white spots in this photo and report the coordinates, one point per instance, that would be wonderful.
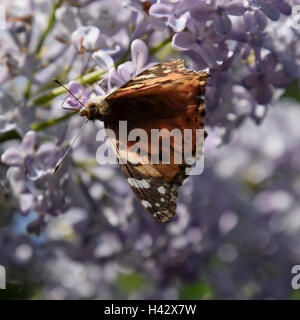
(165, 96)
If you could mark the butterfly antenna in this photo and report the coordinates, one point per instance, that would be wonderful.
(69, 148)
(62, 85)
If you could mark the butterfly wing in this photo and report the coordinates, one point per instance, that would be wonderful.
(167, 72)
(156, 195)
(155, 185)
(160, 91)
(166, 96)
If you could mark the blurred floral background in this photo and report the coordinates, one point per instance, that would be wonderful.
(80, 234)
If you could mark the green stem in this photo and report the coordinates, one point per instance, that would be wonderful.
(86, 163)
(123, 58)
(9, 135)
(50, 24)
(36, 126)
(160, 45)
(27, 89)
(51, 21)
(86, 79)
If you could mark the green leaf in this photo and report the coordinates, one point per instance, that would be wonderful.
(19, 291)
(9, 135)
(200, 290)
(131, 282)
(293, 91)
(295, 295)
(50, 122)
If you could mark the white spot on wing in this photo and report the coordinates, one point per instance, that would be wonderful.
(132, 182)
(135, 183)
(145, 76)
(153, 68)
(145, 183)
(161, 190)
(146, 204)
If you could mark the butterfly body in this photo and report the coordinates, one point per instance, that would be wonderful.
(165, 96)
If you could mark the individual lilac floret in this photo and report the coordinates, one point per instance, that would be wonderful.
(36, 160)
(139, 56)
(86, 39)
(273, 8)
(142, 19)
(80, 93)
(103, 60)
(260, 81)
(175, 14)
(201, 40)
(91, 39)
(14, 117)
(17, 180)
(6, 113)
(218, 11)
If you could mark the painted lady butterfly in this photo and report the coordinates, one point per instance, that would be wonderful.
(165, 96)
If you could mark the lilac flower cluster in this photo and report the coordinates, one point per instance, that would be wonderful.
(236, 231)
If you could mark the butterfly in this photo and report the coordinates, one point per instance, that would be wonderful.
(164, 96)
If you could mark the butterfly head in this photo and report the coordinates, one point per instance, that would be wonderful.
(96, 108)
